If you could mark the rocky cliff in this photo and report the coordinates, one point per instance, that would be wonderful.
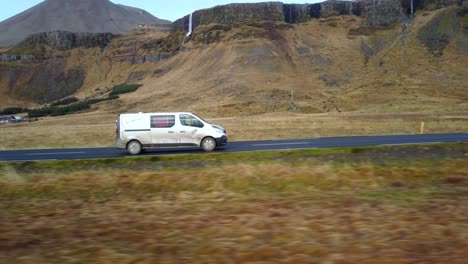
(34, 47)
(274, 11)
(65, 40)
(375, 13)
(14, 57)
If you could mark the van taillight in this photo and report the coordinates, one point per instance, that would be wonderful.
(117, 128)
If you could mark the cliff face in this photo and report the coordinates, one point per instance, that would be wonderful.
(375, 12)
(64, 40)
(229, 14)
(383, 12)
(273, 11)
(34, 47)
(14, 57)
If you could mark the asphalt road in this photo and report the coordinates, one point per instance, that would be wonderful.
(332, 142)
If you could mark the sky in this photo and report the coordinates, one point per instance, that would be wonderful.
(164, 9)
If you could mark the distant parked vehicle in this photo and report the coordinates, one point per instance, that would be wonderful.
(10, 119)
(138, 131)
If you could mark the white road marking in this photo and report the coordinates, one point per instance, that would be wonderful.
(280, 144)
(54, 153)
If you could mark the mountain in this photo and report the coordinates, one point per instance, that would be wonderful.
(331, 58)
(74, 16)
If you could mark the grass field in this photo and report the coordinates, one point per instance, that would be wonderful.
(97, 129)
(358, 205)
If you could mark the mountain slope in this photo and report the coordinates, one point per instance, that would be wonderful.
(332, 64)
(74, 16)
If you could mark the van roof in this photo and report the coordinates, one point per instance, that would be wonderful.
(157, 113)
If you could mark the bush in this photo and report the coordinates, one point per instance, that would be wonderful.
(65, 110)
(56, 111)
(124, 88)
(39, 112)
(65, 101)
(70, 109)
(13, 110)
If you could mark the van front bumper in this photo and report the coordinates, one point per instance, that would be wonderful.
(221, 141)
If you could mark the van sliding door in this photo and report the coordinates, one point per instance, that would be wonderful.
(164, 130)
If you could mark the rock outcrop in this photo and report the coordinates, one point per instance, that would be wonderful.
(14, 57)
(274, 11)
(64, 40)
(383, 12)
(375, 12)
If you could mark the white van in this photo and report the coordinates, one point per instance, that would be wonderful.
(139, 131)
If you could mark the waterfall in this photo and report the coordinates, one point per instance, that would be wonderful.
(103, 51)
(189, 32)
(190, 27)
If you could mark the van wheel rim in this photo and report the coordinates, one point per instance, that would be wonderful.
(134, 148)
(209, 144)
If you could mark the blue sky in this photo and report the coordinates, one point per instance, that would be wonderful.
(165, 9)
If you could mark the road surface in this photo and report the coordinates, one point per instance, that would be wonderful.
(331, 142)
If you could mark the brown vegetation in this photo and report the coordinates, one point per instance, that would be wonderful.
(295, 209)
(97, 129)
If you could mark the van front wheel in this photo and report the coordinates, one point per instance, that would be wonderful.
(208, 144)
(134, 147)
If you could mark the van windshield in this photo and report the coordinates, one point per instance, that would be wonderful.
(190, 120)
(201, 119)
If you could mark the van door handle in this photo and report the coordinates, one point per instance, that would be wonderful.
(182, 132)
(171, 132)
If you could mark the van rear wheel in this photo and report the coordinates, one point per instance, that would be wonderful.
(208, 144)
(134, 147)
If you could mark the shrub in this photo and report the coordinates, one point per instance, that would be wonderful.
(13, 110)
(69, 109)
(56, 111)
(65, 110)
(66, 101)
(124, 88)
(39, 112)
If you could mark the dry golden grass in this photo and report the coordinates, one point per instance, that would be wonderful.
(268, 212)
(59, 132)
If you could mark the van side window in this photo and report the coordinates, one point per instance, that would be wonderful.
(189, 120)
(162, 121)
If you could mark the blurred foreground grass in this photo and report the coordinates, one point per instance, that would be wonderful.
(357, 205)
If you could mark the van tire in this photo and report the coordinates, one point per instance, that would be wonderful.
(208, 144)
(134, 147)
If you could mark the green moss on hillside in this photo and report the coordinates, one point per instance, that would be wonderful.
(438, 33)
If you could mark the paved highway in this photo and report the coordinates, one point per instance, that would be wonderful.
(332, 142)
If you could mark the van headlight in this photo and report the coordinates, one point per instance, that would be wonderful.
(218, 129)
